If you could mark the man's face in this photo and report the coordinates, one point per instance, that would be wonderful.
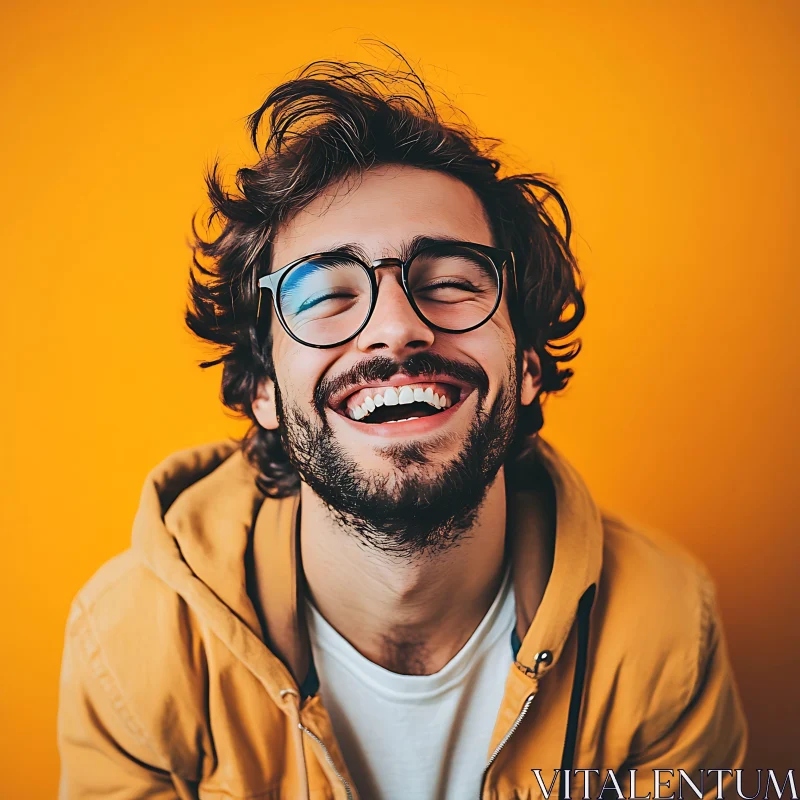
(398, 466)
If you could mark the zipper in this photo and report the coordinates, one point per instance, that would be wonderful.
(504, 741)
(329, 759)
(542, 657)
(546, 657)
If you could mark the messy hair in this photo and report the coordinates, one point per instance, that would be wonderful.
(333, 121)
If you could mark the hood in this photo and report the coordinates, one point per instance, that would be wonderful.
(200, 510)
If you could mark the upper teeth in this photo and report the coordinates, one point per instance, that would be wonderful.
(390, 396)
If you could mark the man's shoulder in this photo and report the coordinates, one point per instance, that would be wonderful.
(124, 592)
(134, 621)
(657, 615)
(642, 554)
(133, 647)
(663, 591)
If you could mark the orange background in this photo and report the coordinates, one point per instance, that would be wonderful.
(673, 129)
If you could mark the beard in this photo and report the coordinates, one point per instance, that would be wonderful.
(420, 507)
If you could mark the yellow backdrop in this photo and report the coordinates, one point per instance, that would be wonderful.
(673, 129)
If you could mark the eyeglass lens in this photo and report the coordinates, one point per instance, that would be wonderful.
(326, 300)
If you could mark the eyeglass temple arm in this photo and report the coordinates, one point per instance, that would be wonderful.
(513, 264)
(265, 282)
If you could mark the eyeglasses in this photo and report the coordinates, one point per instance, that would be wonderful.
(327, 299)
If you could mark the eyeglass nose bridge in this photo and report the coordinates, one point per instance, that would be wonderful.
(387, 262)
(376, 264)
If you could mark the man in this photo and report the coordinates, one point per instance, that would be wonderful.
(394, 587)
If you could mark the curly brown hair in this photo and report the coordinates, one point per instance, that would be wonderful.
(333, 120)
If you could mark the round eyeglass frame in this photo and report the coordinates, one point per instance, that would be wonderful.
(273, 281)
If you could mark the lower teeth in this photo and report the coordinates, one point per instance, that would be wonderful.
(407, 419)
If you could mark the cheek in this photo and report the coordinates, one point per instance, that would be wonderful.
(298, 368)
(493, 347)
(289, 365)
(497, 336)
(502, 322)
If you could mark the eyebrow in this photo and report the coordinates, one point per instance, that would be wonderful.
(406, 250)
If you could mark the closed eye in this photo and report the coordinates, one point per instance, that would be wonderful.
(314, 301)
(461, 285)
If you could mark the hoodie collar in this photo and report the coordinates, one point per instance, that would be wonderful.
(201, 512)
(193, 530)
(546, 492)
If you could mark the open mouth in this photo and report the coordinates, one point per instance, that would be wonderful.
(374, 405)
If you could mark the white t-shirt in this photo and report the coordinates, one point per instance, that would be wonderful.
(416, 737)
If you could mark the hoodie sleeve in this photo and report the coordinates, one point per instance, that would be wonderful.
(708, 730)
(104, 752)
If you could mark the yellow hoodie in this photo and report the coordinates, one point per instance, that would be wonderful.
(172, 688)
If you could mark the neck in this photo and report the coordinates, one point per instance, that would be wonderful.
(409, 615)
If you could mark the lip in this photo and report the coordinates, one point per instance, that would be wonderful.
(337, 402)
(416, 427)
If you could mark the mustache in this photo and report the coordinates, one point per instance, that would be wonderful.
(382, 368)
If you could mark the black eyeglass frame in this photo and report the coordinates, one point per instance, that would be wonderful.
(273, 281)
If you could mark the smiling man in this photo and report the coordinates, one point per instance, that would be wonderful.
(393, 587)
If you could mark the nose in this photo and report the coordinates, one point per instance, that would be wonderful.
(394, 329)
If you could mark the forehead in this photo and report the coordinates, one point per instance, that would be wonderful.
(380, 210)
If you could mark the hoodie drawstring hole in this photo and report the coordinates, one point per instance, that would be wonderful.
(542, 657)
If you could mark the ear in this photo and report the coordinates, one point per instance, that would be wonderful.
(531, 377)
(264, 408)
